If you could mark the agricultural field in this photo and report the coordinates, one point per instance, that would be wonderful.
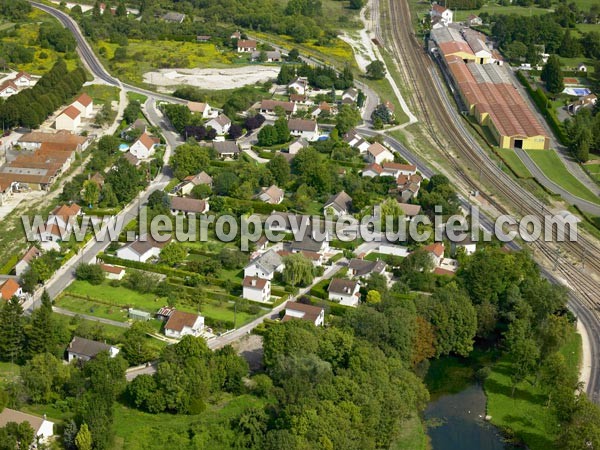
(493, 8)
(555, 170)
(102, 94)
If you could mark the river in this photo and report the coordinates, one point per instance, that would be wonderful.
(457, 422)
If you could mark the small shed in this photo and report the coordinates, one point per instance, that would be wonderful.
(136, 314)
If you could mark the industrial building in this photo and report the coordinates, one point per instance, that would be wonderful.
(486, 90)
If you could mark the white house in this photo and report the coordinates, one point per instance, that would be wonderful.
(474, 21)
(299, 85)
(297, 145)
(344, 292)
(441, 14)
(340, 204)
(113, 272)
(377, 153)
(144, 147)
(202, 109)
(246, 46)
(307, 129)
(24, 263)
(43, 429)
(372, 170)
(310, 313)
(395, 170)
(256, 289)
(582, 67)
(436, 251)
(22, 80)
(85, 105)
(10, 288)
(8, 88)
(264, 266)
(141, 250)
(272, 195)
(220, 124)
(64, 216)
(69, 119)
(350, 95)
(361, 268)
(86, 349)
(182, 324)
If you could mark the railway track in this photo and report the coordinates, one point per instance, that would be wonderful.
(446, 128)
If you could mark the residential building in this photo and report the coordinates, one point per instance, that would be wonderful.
(144, 147)
(310, 242)
(340, 204)
(203, 109)
(188, 206)
(25, 262)
(236, 35)
(226, 149)
(270, 56)
(441, 13)
(141, 250)
(65, 139)
(353, 139)
(310, 313)
(297, 145)
(174, 17)
(325, 109)
(132, 159)
(22, 80)
(350, 95)
(139, 124)
(200, 178)
(395, 170)
(377, 153)
(246, 45)
(164, 313)
(43, 429)
(299, 85)
(587, 101)
(182, 324)
(301, 99)
(307, 129)
(264, 266)
(256, 289)
(49, 236)
(113, 272)
(10, 288)
(362, 268)
(65, 215)
(220, 124)
(344, 292)
(85, 105)
(372, 170)
(436, 251)
(410, 210)
(468, 245)
(8, 88)
(272, 195)
(69, 119)
(270, 107)
(85, 349)
(474, 21)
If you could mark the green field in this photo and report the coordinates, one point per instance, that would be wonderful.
(593, 170)
(526, 414)
(102, 93)
(555, 170)
(493, 8)
(511, 159)
(412, 436)
(92, 308)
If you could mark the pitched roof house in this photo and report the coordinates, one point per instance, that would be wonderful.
(203, 109)
(69, 119)
(297, 145)
(264, 266)
(220, 124)
(269, 106)
(377, 153)
(141, 250)
(84, 104)
(10, 288)
(22, 79)
(188, 205)
(310, 313)
(86, 349)
(364, 268)
(43, 429)
(345, 292)
(8, 88)
(256, 289)
(340, 204)
(226, 149)
(246, 45)
(24, 263)
(182, 324)
(64, 215)
(144, 147)
(393, 169)
(308, 129)
(272, 195)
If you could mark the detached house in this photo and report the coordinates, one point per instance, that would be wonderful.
(8, 88)
(297, 145)
(310, 313)
(43, 429)
(299, 85)
(408, 186)
(270, 106)
(441, 14)
(86, 349)
(246, 46)
(264, 266)
(344, 292)
(141, 250)
(220, 124)
(182, 324)
(25, 262)
(64, 216)
(144, 147)
(361, 268)
(226, 149)
(340, 204)
(350, 96)
(256, 289)
(188, 206)
(310, 244)
(69, 119)
(377, 153)
(436, 252)
(307, 129)
(395, 170)
(203, 109)
(10, 288)
(85, 105)
(272, 195)
(22, 80)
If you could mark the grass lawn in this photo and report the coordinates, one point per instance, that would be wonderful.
(8, 372)
(493, 8)
(593, 170)
(139, 97)
(572, 63)
(511, 159)
(549, 162)
(92, 308)
(111, 332)
(136, 430)
(412, 436)
(102, 93)
(526, 414)
(115, 295)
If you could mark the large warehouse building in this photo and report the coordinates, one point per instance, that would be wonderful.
(486, 89)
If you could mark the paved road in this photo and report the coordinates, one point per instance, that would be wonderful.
(582, 204)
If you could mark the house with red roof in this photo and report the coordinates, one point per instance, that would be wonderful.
(69, 119)
(8, 88)
(85, 105)
(441, 15)
(10, 288)
(143, 147)
(22, 80)
(256, 289)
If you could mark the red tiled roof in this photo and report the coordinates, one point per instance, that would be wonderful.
(246, 43)
(9, 288)
(71, 111)
(112, 269)
(8, 84)
(179, 319)
(84, 99)
(146, 141)
(254, 283)
(436, 248)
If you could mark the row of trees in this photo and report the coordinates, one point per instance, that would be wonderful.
(30, 107)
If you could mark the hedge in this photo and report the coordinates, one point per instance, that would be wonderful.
(541, 101)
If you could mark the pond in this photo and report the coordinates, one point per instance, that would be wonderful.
(457, 422)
